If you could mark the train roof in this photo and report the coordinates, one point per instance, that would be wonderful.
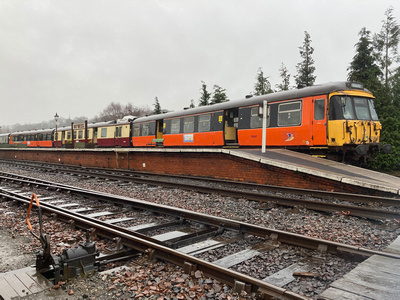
(4, 134)
(257, 100)
(33, 131)
(90, 125)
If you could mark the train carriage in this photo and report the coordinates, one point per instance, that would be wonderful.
(33, 138)
(4, 140)
(204, 129)
(296, 122)
(144, 132)
(60, 137)
(114, 135)
(82, 138)
(336, 117)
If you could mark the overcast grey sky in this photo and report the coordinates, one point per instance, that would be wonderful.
(74, 57)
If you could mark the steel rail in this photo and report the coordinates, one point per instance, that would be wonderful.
(156, 250)
(274, 234)
(324, 206)
(189, 263)
(360, 198)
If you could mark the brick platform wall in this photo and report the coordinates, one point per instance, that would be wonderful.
(216, 165)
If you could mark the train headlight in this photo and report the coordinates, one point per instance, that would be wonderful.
(355, 85)
(387, 148)
(362, 149)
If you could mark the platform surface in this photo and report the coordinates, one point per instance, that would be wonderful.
(376, 278)
(21, 283)
(324, 168)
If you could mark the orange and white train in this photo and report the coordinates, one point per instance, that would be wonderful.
(336, 119)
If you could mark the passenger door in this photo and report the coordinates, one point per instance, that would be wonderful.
(319, 121)
(117, 136)
(231, 125)
(159, 129)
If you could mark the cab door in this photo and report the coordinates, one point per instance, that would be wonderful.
(319, 121)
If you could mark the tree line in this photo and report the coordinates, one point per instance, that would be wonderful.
(374, 65)
(305, 77)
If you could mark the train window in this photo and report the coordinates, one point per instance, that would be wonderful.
(204, 123)
(80, 134)
(255, 120)
(319, 109)
(347, 108)
(103, 132)
(145, 129)
(289, 114)
(136, 130)
(374, 115)
(361, 107)
(68, 135)
(118, 131)
(188, 124)
(175, 126)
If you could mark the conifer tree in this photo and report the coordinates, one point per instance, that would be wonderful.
(205, 95)
(386, 43)
(157, 107)
(262, 86)
(305, 69)
(363, 68)
(219, 95)
(284, 73)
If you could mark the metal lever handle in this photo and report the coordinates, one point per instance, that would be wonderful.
(40, 217)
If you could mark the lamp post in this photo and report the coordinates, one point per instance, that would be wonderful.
(56, 118)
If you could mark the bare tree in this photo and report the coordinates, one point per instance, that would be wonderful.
(113, 111)
(137, 111)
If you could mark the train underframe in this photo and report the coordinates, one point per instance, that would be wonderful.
(352, 154)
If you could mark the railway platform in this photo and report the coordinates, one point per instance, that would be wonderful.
(280, 167)
(323, 168)
(375, 278)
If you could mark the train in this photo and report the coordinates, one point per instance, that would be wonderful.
(337, 120)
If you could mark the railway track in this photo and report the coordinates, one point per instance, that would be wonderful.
(182, 237)
(365, 206)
